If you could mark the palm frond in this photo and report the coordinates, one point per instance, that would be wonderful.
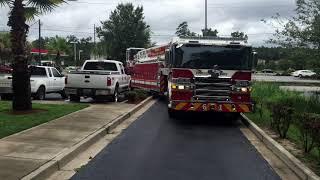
(31, 12)
(5, 2)
(45, 5)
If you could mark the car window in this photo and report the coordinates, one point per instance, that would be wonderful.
(38, 71)
(56, 73)
(100, 66)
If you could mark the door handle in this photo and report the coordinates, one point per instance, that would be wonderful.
(86, 81)
(87, 77)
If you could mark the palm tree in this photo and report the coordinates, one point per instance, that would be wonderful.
(58, 45)
(20, 10)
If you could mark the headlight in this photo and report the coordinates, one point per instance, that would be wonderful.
(181, 87)
(244, 89)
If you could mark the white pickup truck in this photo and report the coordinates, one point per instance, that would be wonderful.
(43, 80)
(98, 79)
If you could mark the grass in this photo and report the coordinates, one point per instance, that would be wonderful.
(11, 124)
(268, 93)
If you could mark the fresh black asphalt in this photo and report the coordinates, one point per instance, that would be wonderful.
(193, 147)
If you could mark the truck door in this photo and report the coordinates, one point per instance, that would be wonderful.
(50, 80)
(58, 80)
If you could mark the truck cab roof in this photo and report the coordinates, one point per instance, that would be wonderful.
(111, 61)
(220, 41)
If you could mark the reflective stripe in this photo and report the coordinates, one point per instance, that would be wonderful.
(244, 108)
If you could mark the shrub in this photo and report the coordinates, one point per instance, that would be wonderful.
(136, 95)
(282, 116)
(308, 125)
(131, 96)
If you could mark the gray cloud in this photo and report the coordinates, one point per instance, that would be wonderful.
(164, 16)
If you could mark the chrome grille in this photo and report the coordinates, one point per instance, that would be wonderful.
(212, 89)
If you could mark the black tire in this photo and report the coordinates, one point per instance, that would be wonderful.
(115, 96)
(74, 98)
(41, 93)
(63, 94)
(300, 76)
(6, 97)
(130, 87)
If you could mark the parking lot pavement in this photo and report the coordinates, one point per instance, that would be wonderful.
(283, 79)
(196, 146)
(24, 152)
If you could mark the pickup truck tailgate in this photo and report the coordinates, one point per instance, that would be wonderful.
(5, 83)
(87, 80)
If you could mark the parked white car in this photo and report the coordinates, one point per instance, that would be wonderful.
(97, 79)
(303, 73)
(43, 80)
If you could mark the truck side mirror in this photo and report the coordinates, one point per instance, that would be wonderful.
(167, 56)
(254, 60)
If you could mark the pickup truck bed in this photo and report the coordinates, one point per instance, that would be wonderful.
(97, 84)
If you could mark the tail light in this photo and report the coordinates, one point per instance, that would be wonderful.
(109, 81)
(66, 80)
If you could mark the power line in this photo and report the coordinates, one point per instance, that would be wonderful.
(210, 5)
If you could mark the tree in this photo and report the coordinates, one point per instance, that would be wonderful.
(5, 48)
(58, 45)
(125, 28)
(20, 10)
(301, 30)
(184, 31)
(210, 32)
(238, 34)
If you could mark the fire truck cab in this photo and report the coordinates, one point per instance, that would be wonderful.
(198, 74)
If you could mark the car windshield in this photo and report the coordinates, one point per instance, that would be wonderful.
(207, 57)
(100, 66)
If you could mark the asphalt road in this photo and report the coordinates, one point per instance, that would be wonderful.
(194, 147)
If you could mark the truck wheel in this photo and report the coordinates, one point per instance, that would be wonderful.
(115, 95)
(41, 93)
(6, 97)
(74, 98)
(63, 94)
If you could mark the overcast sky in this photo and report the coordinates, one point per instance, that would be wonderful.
(164, 16)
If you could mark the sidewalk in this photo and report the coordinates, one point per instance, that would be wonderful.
(22, 153)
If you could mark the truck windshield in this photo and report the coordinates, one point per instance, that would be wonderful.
(207, 57)
(100, 66)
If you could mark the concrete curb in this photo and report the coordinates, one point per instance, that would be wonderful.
(68, 154)
(292, 162)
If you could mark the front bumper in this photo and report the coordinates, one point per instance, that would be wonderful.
(235, 107)
(88, 92)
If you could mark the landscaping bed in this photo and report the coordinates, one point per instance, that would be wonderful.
(291, 119)
(136, 96)
(14, 122)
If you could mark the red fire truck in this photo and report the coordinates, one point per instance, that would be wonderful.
(198, 74)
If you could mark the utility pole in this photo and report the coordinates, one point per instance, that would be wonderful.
(74, 52)
(94, 42)
(206, 15)
(39, 63)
